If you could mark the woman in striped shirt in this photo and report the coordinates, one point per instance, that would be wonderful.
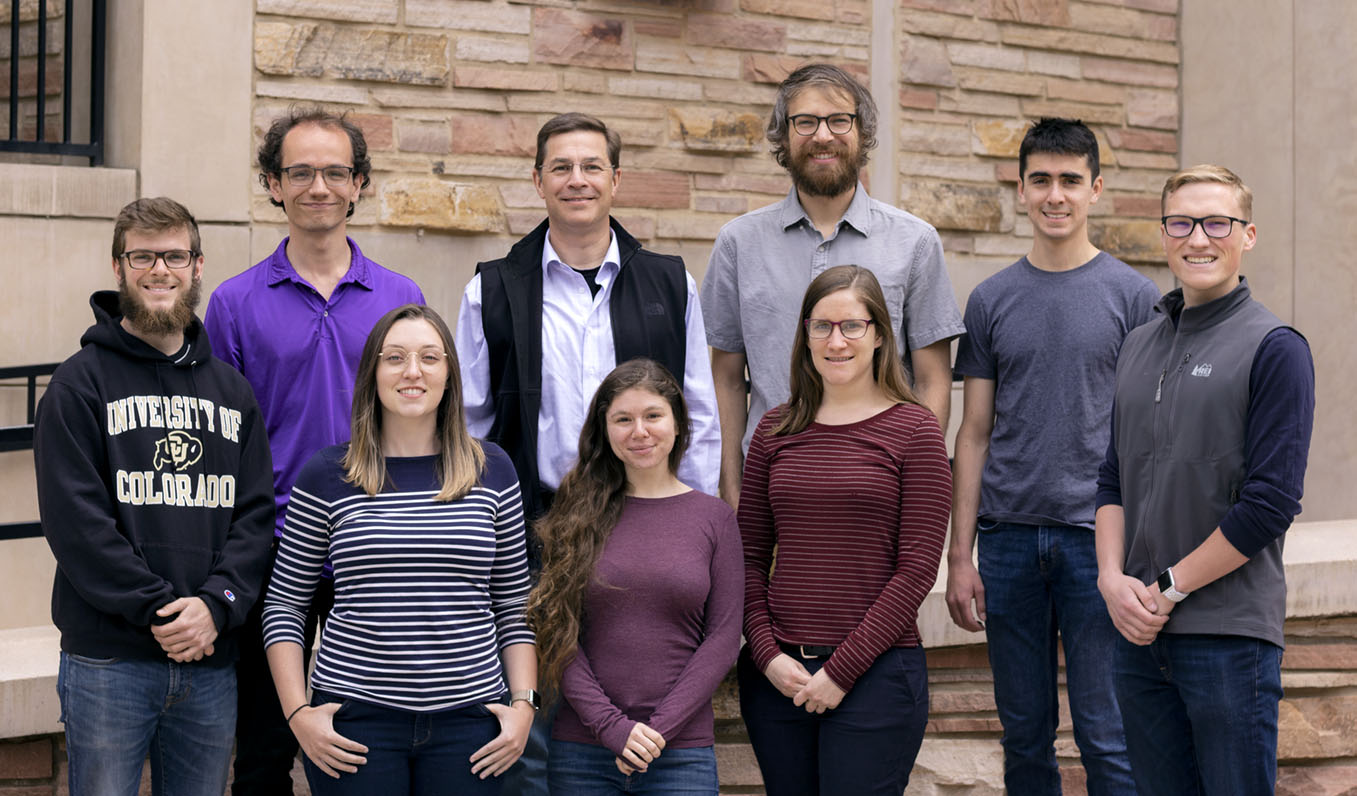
(849, 481)
(638, 609)
(424, 527)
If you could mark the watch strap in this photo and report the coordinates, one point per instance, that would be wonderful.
(526, 695)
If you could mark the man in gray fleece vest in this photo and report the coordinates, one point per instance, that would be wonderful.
(1210, 434)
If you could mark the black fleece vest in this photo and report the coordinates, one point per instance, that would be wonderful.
(647, 308)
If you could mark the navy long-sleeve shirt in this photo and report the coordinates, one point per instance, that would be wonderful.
(1276, 445)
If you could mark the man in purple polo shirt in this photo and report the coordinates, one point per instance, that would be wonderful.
(294, 325)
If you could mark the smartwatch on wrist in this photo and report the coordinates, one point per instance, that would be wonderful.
(1169, 587)
(527, 695)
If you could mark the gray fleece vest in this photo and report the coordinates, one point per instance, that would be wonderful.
(1181, 411)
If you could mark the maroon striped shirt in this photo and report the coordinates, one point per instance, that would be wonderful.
(858, 513)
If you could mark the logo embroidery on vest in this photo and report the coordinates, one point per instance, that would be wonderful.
(1203, 370)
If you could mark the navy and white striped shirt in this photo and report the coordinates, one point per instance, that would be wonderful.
(426, 593)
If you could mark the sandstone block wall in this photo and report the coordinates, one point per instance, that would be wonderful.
(451, 92)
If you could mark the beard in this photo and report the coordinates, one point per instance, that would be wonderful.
(820, 181)
(159, 322)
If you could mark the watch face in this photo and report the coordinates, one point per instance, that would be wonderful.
(1165, 580)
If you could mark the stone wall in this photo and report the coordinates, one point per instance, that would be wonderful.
(975, 73)
(451, 92)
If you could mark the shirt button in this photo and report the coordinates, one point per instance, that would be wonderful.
(326, 313)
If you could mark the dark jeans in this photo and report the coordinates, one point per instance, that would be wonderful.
(528, 775)
(117, 712)
(408, 753)
(1201, 713)
(266, 750)
(864, 747)
(1042, 582)
(581, 769)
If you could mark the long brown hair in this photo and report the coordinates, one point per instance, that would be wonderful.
(807, 390)
(461, 458)
(584, 513)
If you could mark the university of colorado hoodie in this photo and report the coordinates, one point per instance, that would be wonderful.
(154, 483)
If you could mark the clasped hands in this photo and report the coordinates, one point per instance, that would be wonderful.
(190, 635)
(815, 692)
(1138, 611)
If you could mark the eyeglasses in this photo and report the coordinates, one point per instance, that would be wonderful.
(851, 329)
(809, 123)
(141, 259)
(589, 168)
(335, 176)
(1213, 226)
(428, 358)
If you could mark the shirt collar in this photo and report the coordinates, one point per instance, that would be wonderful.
(281, 269)
(858, 215)
(613, 256)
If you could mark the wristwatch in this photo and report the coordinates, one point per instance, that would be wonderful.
(1169, 587)
(526, 695)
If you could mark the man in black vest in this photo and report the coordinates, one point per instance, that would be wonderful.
(539, 329)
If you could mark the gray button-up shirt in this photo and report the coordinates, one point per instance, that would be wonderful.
(764, 260)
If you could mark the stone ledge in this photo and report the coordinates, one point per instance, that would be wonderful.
(28, 681)
(1318, 557)
(79, 191)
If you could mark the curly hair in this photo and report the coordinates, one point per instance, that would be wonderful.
(270, 155)
(584, 513)
(826, 76)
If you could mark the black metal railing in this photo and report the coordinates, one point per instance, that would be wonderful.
(38, 144)
(18, 438)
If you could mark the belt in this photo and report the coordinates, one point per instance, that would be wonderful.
(808, 651)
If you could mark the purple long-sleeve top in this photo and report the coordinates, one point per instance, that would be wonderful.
(662, 625)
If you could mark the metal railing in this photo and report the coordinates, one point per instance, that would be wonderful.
(94, 149)
(18, 438)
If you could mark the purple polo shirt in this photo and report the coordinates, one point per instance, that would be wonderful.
(299, 351)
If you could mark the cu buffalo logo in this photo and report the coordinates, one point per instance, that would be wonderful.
(178, 450)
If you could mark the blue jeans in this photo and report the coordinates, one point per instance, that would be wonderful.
(1041, 583)
(864, 747)
(118, 711)
(408, 752)
(582, 769)
(1201, 713)
(528, 776)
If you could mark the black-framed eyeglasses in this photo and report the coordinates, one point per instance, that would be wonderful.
(398, 359)
(851, 328)
(335, 176)
(1213, 226)
(809, 123)
(141, 259)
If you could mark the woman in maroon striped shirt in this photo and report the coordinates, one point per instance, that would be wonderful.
(849, 481)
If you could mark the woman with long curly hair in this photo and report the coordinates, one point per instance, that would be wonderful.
(424, 525)
(849, 481)
(637, 613)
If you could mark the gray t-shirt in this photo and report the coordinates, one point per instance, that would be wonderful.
(1049, 341)
(764, 260)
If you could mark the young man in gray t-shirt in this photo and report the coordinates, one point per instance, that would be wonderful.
(1039, 359)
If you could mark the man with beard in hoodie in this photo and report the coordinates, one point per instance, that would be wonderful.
(155, 493)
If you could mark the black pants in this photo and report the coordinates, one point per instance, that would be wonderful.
(265, 747)
(864, 747)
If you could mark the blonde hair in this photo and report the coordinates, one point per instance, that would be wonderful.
(461, 458)
(1209, 173)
